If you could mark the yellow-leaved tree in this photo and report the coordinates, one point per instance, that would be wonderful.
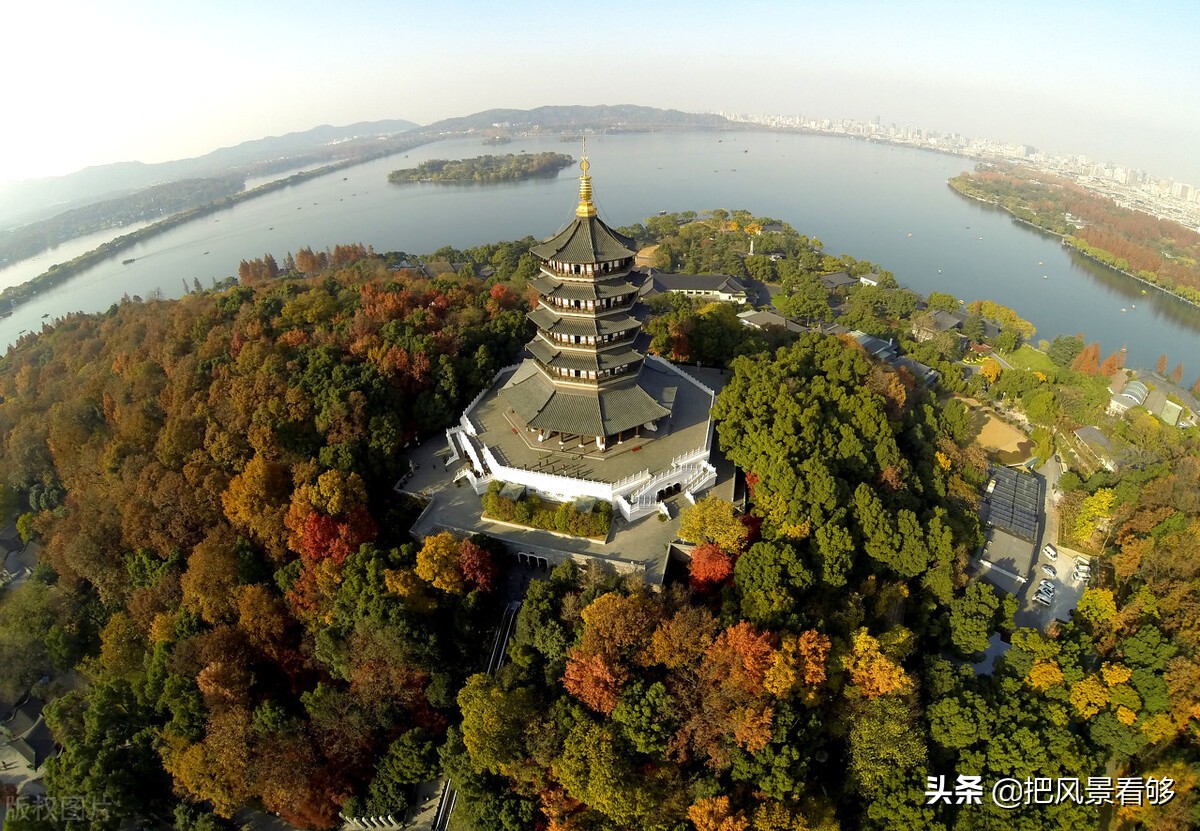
(437, 563)
(872, 672)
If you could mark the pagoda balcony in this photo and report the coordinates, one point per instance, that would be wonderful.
(612, 268)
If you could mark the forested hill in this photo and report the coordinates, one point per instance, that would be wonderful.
(619, 116)
(1159, 251)
(211, 478)
(508, 168)
(26, 201)
(226, 569)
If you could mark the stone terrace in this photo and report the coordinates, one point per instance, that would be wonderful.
(686, 430)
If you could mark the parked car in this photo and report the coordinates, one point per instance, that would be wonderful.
(1083, 562)
(1049, 552)
(1041, 598)
(1046, 585)
(1049, 571)
(1081, 575)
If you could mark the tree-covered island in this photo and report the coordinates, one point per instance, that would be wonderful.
(510, 167)
(232, 612)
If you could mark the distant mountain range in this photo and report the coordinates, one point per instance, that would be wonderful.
(26, 202)
(620, 116)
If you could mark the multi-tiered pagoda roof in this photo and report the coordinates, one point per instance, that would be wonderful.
(583, 376)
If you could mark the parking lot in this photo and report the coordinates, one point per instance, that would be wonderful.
(1012, 559)
(1067, 591)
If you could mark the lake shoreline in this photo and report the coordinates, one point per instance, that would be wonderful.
(60, 273)
(886, 202)
(1062, 238)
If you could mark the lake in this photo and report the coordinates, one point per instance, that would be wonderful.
(886, 204)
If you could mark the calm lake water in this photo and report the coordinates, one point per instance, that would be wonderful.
(889, 205)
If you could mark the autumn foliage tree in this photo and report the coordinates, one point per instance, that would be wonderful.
(439, 563)
(205, 475)
(873, 673)
(478, 568)
(709, 566)
(1113, 363)
(712, 520)
(1088, 361)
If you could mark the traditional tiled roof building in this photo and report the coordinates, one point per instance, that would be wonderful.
(587, 415)
(583, 376)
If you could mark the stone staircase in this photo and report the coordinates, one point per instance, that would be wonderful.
(688, 475)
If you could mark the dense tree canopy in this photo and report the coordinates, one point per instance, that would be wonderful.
(209, 479)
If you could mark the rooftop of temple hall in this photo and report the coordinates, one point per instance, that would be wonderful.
(501, 429)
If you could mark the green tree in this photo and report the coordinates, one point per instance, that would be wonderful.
(109, 753)
(494, 722)
(940, 301)
(972, 616)
(958, 722)
(410, 759)
(1097, 605)
(973, 327)
(646, 715)
(770, 578)
(804, 298)
(1095, 508)
(884, 737)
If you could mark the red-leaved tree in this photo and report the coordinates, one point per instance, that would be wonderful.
(710, 566)
(477, 566)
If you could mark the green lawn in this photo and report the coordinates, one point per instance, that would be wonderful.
(1027, 357)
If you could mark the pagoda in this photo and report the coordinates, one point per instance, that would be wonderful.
(587, 414)
(582, 381)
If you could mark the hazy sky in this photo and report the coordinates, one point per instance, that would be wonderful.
(116, 80)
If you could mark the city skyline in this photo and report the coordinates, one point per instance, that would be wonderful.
(135, 81)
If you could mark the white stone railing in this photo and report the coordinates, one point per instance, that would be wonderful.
(566, 486)
(689, 457)
(630, 481)
(387, 823)
(454, 457)
(682, 372)
(467, 425)
(465, 419)
(468, 446)
(686, 475)
(475, 401)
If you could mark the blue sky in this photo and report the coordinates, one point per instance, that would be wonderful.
(91, 83)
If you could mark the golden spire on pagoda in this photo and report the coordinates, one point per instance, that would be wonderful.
(586, 206)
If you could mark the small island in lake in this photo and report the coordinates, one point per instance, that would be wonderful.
(508, 168)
